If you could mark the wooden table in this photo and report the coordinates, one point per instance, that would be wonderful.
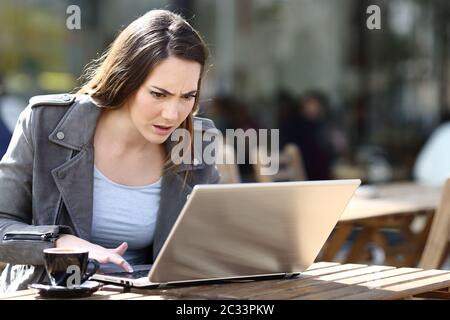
(394, 206)
(391, 199)
(323, 280)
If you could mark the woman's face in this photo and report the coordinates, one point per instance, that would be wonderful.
(165, 99)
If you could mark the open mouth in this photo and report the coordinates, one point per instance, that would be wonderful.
(162, 129)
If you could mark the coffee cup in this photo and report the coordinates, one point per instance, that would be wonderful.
(69, 267)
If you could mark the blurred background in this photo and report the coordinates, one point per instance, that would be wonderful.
(356, 102)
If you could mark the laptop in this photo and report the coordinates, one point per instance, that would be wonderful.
(246, 231)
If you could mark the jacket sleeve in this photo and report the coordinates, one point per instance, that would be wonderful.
(18, 244)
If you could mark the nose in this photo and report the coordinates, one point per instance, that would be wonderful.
(170, 112)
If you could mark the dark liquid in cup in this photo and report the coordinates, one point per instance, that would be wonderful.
(62, 264)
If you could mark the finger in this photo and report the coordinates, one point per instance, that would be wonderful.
(120, 250)
(113, 258)
(121, 262)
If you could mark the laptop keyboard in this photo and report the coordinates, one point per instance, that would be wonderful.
(130, 275)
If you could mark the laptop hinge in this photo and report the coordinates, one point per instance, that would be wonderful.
(290, 275)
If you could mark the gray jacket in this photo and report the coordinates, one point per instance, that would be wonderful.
(46, 185)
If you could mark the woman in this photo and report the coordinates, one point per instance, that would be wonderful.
(93, 170)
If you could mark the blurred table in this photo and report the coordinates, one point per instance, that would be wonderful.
(323, 280)
(388, 206)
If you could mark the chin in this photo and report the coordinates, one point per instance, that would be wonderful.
(155, 139)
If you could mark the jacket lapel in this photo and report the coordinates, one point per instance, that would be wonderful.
(74, 178)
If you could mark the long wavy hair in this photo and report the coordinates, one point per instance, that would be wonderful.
(143, 44)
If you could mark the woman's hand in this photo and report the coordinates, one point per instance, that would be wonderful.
(96, 252)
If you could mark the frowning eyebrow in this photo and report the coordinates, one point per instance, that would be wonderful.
(171, 94)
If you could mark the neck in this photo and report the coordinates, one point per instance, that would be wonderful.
(122, 135)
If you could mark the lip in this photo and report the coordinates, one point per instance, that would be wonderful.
(162, 130)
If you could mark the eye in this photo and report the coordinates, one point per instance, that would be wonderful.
(189, 97)
(157, 95)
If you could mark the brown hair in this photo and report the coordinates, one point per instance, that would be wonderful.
(147, 41)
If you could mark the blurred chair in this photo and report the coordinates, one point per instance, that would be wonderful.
(228, 170)
(432, 167)
(433, 162)
(437, 244)
(290, 164)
